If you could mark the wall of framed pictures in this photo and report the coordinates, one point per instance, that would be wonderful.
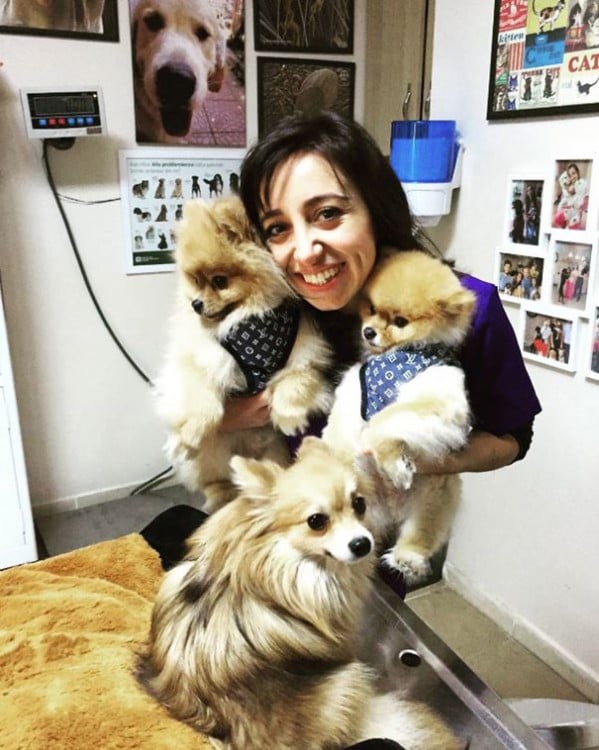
(546, 262)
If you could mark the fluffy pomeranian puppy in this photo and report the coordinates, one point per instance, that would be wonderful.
(253, 635)
(407, 401)
(237, 329)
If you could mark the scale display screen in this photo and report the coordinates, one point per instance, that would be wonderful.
(63, 114)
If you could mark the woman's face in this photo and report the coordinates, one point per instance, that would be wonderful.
(319, 231)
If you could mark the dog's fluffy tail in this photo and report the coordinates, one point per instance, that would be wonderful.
(412, 724)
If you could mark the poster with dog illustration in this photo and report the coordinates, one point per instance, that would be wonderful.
(95, 20)
(155, 184)
(188, 61)
(544, 58)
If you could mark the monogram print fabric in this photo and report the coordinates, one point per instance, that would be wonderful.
(261, 345)
(382, 375)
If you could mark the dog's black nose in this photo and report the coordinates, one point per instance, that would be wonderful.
(197, 305)
(175, 85)
(360, 546)
(369, 333)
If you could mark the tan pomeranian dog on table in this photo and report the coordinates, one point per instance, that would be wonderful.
(407, 401)
(253, 637)
(237, 329)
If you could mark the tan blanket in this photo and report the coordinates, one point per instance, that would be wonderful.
(69, 630)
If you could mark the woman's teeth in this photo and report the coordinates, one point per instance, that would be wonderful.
(321, 278)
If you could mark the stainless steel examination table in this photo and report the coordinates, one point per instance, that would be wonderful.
(409, 656)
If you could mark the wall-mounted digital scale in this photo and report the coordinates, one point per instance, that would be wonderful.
(68, 112)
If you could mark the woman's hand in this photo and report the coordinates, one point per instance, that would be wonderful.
(483, 452)
(245, 412)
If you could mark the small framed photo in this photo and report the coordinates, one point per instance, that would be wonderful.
(288, 85)
(572, 267)
(304, 26)
(519, 277)
(548, 337)
(524, 210)
(571, 205)
(593, 351)
(93, 21)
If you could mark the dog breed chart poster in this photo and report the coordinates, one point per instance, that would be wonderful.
(545, 58)
(155, 185)
(188, 61)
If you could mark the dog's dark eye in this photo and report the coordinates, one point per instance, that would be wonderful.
(359, 505)
(202, 33)
(154, 21)
(219, 282)
(318, 521)
(400, 322)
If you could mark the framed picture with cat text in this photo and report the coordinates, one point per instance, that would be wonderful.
(543, 58)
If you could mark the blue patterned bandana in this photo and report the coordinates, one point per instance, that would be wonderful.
(261, 344)
(382, 375)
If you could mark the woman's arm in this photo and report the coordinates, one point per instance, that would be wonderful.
(245, 412)
(483, 452)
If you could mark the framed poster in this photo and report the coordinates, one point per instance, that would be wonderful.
(544, 58)
(304, 26)
(155, 184)
(519, 277)
(94, 20)
(524, 210)
(548, 336)
(188, 63)
(287, 85)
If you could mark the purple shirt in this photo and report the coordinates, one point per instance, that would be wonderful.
(500, 391)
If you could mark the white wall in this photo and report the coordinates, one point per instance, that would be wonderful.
(525, 546)
(87, 419)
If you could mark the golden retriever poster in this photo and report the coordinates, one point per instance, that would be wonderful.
(89, 19)
(188, 72)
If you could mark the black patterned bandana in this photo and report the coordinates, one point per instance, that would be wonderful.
(261, 344)
(382, 375)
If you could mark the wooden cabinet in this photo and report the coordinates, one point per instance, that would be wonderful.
(399, 45)
(17, 536)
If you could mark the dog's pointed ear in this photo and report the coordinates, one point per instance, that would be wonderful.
(255, 478)
(458, 306)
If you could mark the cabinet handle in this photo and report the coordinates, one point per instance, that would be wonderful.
(427, 105)
(406, 102)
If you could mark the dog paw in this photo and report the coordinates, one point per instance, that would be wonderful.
(414, 566)
(289, 421)
(191, 432)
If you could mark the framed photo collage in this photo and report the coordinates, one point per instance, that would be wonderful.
(547, 262)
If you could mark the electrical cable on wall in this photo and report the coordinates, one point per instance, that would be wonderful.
(62, 144)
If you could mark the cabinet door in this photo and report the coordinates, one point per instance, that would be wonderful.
(12, 525)
(398, 63)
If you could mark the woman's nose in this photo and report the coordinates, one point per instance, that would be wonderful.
(307, 248)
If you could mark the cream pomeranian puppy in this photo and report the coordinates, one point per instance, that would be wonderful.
(407, 401)
(253, 635)
(237, 329)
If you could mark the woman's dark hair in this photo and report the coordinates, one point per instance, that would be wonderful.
(351, 152)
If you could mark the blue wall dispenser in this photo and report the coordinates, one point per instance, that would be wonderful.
(427, 155)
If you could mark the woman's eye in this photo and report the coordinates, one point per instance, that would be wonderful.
(400, 322)
(318, 521)
(328, 213)
(219, 282)
(273, 231)
(359, 505)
